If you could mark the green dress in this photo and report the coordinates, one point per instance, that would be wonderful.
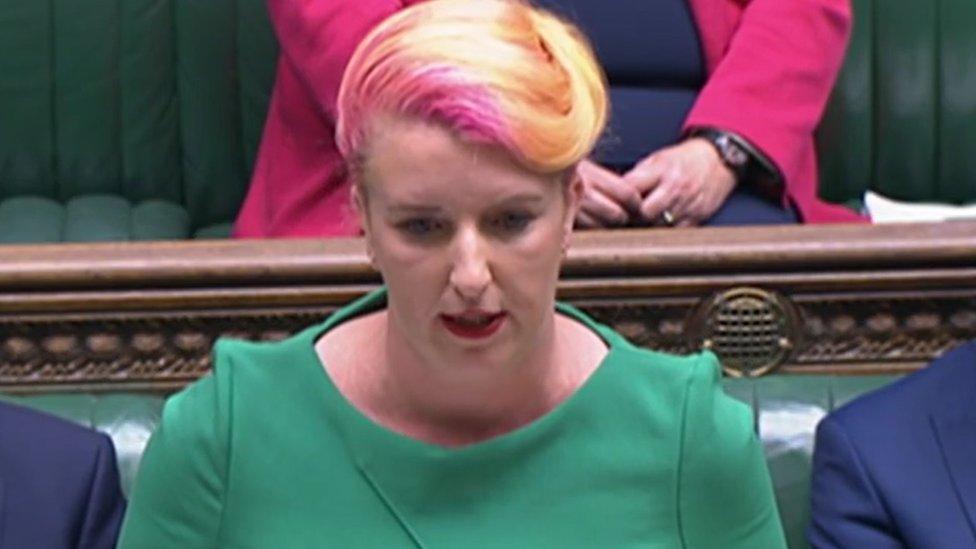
(266, 453)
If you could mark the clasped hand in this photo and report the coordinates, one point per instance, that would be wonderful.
(689, 180)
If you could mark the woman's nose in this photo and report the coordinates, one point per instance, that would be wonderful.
(470, 272)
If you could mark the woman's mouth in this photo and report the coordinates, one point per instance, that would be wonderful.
(474, 325)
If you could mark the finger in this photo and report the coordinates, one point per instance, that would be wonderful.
(604, 210)
(646, 175)
(713, 196)
(611, 185)
(686, 222)
(660, 199)
(695, 211)
(585, 221)
(701, 209)
(684, 201)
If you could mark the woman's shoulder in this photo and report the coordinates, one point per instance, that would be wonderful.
(265, 364)
(241, 371)
(699, 367)
(676, 377)
(237, 361)
(183, 475)
(237, 354)
(721, 457)
(648, 368)
(694, 382)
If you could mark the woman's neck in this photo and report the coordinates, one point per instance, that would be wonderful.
(392, 384)
(452, 405)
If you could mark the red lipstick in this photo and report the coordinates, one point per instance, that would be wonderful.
(474, 324)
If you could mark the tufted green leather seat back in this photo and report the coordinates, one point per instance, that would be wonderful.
(140, 119)
(902, 119)
(132, 119)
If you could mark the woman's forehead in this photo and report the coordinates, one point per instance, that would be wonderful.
(414, 161)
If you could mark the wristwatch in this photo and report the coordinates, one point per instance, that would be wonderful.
(746, 162)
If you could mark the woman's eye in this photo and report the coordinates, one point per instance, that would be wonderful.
(513, 222)
(420, 226)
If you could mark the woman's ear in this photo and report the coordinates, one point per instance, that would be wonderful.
(360, 205)
(574, 200)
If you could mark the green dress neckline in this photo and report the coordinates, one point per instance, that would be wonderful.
(353, 420)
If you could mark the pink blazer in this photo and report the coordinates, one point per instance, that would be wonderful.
(771, 66)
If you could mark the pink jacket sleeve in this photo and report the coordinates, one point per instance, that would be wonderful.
(771, 73)
(317, 38)
(299, 187)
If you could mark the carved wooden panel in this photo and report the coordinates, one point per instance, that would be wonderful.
(814, 300)
(160, 351)
(893, 331)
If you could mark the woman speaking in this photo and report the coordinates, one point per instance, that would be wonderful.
(460, 406)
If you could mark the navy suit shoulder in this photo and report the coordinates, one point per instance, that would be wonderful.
(884, 472)
(950, 377)
(59, 483)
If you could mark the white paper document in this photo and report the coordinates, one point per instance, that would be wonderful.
(886, 210)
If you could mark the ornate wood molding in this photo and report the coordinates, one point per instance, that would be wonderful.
(840, 299)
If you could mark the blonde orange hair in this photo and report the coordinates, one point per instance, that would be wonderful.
(500, 72)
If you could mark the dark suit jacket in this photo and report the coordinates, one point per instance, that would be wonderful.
(59, 485)
(897, 468)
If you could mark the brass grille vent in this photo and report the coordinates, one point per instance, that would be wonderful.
(751, 330)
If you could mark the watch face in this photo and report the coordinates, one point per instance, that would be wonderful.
(732, 153)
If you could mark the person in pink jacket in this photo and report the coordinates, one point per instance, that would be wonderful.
(769, 67)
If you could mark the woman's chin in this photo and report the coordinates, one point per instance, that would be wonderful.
(477, 361)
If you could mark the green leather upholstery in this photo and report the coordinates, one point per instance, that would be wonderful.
(129, 120)
(902, 119)
(140, 119)
(128, 418)
(787, 410)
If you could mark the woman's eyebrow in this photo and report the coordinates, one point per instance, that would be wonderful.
(419, 208)
(531, 198)
(408, 208)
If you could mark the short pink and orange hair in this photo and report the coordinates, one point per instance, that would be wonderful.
(499, 72)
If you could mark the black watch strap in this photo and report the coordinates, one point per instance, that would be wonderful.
(749, 165)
